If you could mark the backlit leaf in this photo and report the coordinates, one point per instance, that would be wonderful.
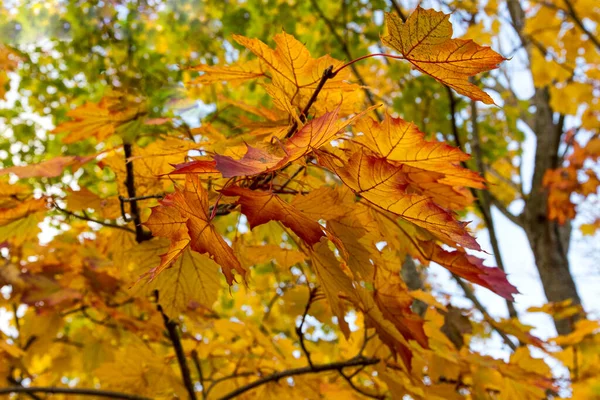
(425, 40)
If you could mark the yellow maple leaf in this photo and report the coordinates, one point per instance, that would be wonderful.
(192, 282)
(425, 40)
(99, 120)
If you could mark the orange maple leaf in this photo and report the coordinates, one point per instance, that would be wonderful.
(183, 217)
(425, 40)
(394, 301)
(312, 136)
(386, 186)
(49, 168)
(262, 207)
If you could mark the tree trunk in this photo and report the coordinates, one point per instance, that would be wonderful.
(548, 239)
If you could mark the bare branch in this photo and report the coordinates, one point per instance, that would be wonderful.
(196, 361)
(516, 219)
(86, 218)
(311, 296)
(327, 74)
(346, 51)
(359, 389)
(174, 337)
(579, 23)
(335, 366)
(72, 391)
(138, 198)
(481, 200)
(471, 296)
(140, 234)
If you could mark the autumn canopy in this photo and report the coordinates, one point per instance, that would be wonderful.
(212, 215)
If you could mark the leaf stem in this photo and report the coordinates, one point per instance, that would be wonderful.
(368, 56)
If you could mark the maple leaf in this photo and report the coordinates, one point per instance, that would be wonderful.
(335, 283)
(425, 40)
(262, 207)
(84, 198)
(233, 74)
(293, 74)
(191, 282)
(384, 185)
(9, 60)
(394, 301)
(254, 162)
(151, 164)
(195, 167)
(99, 120)
(312, 136)
(49, 168)
(400, 141)
(183, 218)
(419, 244)
(21, 209)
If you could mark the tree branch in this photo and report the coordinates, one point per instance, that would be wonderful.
(311, 296)
(140, 234)
(471, 296)
(336, 366)
(150, 196)
(346, 51)
(359, 389)
(327, 74)
(199, 370)
(579, 23)
(86, 218)
(72, 391)
(183, 367)
(484, 201)
(13, 381)
(516, 219)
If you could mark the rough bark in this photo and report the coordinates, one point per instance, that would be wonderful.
(548, 239)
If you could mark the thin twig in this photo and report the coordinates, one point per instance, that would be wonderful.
(398, 10)
(579, 23)
(72, 391)
(183, 367)
(196, 361)
(311, 296)
(86, 218)
(471, 296)
(138, 198)
(360, 390)
(346, 51)
(335, 366)
(327, 74)
(13, 381)
(226, 378)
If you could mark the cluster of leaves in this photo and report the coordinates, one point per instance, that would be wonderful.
(299, 199)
